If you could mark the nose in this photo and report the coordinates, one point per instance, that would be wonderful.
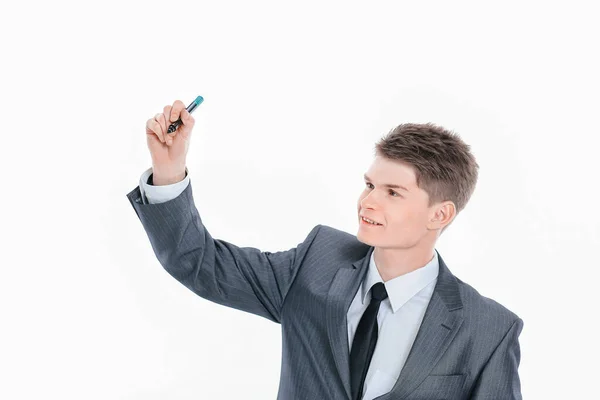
(369, 201)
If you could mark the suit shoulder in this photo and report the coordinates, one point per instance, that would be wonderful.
(346, 243)
(484, 307)
(339, 235)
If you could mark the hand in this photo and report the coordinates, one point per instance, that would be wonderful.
(169, 150)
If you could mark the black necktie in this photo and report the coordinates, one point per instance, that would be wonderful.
(364, 341)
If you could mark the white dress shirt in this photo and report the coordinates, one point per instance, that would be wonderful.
(399, 317)
(398, 320)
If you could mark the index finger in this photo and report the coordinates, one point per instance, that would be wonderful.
(178, 106)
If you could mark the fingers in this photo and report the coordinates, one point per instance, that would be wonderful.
(160, 118)
(167, 110)
(152, 125)
(159, 125)
(178, 106)
(187, 119)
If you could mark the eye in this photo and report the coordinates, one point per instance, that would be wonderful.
(391, 191)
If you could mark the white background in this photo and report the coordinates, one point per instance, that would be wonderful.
(296, 95)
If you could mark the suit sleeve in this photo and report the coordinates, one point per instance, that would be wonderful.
(151, 194)
(499, 378)
(244, 278)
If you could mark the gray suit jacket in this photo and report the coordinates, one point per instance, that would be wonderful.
(467, 346)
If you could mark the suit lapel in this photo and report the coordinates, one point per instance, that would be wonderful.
(341, 293)
(441, 321)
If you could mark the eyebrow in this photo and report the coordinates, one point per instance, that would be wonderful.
(389, 185)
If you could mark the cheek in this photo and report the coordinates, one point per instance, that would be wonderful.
(408, 217)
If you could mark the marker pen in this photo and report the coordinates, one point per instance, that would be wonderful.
(193, 105)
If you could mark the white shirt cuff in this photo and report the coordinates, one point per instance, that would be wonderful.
(160, 194)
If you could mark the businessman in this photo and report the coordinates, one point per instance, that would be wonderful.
(378, 315)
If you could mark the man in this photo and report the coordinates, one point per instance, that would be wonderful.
(374, 316)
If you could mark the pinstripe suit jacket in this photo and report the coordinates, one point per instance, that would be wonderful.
(467, 346)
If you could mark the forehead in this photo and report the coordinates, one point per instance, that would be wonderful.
(395, 172)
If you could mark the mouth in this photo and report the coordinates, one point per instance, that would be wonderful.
(368, 222)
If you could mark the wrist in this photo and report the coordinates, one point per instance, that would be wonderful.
(161, 178)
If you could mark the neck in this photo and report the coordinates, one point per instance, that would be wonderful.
(394, 262)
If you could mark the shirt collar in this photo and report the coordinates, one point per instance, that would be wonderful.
(402, 288)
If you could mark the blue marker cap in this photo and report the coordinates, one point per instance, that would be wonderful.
(195, 104)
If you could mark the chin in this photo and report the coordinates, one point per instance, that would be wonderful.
(368, 243)
(361, 238)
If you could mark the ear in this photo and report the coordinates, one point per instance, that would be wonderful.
(442, 215)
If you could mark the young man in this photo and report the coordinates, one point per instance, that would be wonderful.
(378, 315)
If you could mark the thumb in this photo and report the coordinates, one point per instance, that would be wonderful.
(187, 122)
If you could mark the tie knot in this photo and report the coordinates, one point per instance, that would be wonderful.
(378, 292)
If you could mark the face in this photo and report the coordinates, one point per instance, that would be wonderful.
(404, 214)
